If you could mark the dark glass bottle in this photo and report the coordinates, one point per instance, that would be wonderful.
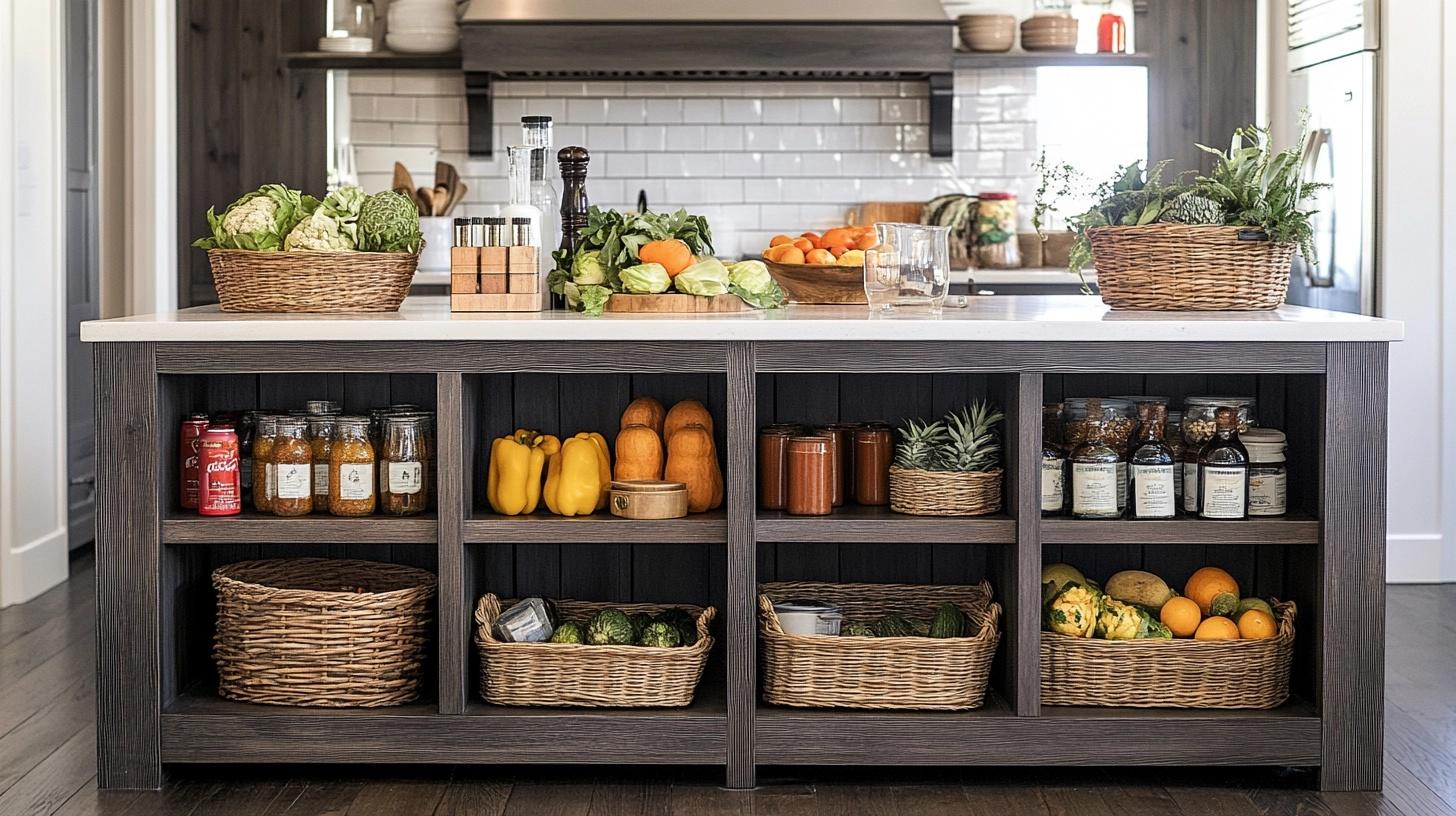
(1152, 493)
(1095, 467)
(1223, 471)
(1053, 461)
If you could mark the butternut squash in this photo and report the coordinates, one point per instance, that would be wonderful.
(639, 454)
(693, 460)
(687, 412)
(644, 411)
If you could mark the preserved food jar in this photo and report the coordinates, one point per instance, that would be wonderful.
(351, 468)
(1053, 461)
(264, 476)
(1199, 424)
(1095, 471)
(320, 407)
(1173, 437)
(292, 461)
(191, 438)
(811, 469)
(403, 483)
(1268, 472)
(1118, 423)
(1223, 471)
(320, 441)
(1151, 466)
(773, 467)
(219, 489)
(874, 447)
(840, 440)
(845, 469)
(995, 231)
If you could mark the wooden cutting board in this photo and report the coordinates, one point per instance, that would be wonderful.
(676, 302)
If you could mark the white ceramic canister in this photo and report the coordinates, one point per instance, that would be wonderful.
(799, 616)
(439, 234)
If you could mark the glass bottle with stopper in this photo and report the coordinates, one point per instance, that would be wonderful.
(1223, 471)
(1151, 466)
(536, 133)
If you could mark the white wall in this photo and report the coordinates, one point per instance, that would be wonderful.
(33, 508)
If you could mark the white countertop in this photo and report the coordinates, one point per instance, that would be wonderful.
(1064, 318)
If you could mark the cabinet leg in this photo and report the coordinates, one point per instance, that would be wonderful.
(741, 624)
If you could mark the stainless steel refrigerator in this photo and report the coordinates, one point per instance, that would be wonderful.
(1334, 57)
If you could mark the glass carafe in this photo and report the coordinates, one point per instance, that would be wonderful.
(909, 268)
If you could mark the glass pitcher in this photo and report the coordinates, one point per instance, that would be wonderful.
(908, 269)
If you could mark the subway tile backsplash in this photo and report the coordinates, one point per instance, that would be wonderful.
(756, 158)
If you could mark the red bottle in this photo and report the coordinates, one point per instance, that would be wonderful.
(1111, 34)
(192, 429)
(219, 488)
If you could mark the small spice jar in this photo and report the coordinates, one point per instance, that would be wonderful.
(773, 467)
(351, 468)
(874, 447)
(1268, 472)
(263, 476)
(292, 460)
(403, 458)
(320, 441)
(810, 471)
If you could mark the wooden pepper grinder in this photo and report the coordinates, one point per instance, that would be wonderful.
(574, 204)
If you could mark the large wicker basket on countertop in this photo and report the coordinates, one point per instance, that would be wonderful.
(316, 282)
(1177, 267)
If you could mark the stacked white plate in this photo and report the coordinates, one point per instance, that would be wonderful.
(422, 26)
(346, 45)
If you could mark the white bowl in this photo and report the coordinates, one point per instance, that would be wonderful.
(407, 43)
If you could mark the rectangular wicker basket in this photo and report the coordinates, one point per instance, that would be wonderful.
(818, 671)
(1169, 673)
(1177, 267)
(311, 282)
(579, 675)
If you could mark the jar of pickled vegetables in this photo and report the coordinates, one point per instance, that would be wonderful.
(292, 459)
(351, 468)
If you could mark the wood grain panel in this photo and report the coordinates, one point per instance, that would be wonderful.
(441, 356)
(1020, 588)
(990, 357)
(1182, 530)
(879, 525)
(454, 605)
(263, 528)
(741, 621)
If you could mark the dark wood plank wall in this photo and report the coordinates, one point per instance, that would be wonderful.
(243, 120)
(1202, 83)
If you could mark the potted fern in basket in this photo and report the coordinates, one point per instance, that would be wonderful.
(950, 467)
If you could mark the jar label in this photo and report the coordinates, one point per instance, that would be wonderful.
(1190, 487)
(294, 481)
(1268, 491)
(1053, 484)
(1177, 482)
(321, 479)
(356, 481)
(270, 481)
(405, 477)
(1152, 491)
(1223, 492)
(1121, 486)
(1094, 488)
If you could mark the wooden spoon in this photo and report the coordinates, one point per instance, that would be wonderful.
(457, 194)
(404, 183)
(425, 200)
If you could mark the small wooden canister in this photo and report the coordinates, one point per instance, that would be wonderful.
(646, 499)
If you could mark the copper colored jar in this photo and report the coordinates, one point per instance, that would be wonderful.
(843, 452)
(873, 449)
(773, 467)
(811, 471)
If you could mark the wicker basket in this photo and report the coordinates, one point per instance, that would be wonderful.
(817, 671)
(298, 631)
(1169, 673)
(318, 282)
(944, 493)
(569, 674)
(1175, 267)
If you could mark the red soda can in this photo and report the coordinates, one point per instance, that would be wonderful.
(192, 428)
(219, 487)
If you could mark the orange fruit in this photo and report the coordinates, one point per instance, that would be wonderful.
(780, 239)
(804, 244)
(1256, 624)
(838, 235)
(1217, 628)
(837, 249)
(674, 255)
(813, 239)
(791, 255)
(865, 241)
(1216, 592)
(819, 256)
(1181, 616)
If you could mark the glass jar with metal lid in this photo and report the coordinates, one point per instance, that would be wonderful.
(1116, 429)
(404, 488)
(1268, 472)
(1199, 412)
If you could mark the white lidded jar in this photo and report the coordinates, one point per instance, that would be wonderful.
(1268, 471)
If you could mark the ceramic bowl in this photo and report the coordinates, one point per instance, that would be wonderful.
(431, 43)
(987, 32)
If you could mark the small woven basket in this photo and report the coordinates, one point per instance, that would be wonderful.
(1169, 673)
(321, 631)
(318, 282)
(944, 493)
(580, 675)
(819, 671)
(1177, 267)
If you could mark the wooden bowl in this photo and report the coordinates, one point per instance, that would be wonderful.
(820, 283)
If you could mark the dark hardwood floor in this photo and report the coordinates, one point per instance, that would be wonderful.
(47, 756)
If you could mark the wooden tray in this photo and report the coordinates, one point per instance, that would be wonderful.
(675, 302)
(820, 283)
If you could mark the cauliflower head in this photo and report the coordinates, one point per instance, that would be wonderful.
(319, 232)
(257, 215)
(1119, 621)
(1073, 611)
(259, 220)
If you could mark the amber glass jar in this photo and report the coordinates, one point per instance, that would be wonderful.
(874, 447)
(292, 460)
(841, 442)
(263, 474)
(351, 468)
(773, 467)
(320, 441)
(404, 466)
(811, 472)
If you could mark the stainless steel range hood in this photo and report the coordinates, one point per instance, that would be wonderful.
(697, 39)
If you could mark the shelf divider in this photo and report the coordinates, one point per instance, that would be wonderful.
(855, 523)
(1292, 529)
(1022, 597)
(454, 606)
(252, 527)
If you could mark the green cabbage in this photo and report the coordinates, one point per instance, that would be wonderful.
(683, 621)
(568, 633)
(587, 268)
(259, 220)
(646, 279)
(705, 278)
(751, 276)
(593, 299)
(609, 627)
(662, 635)
(389, 222)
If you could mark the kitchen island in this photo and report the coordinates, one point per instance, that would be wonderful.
(1319, 376)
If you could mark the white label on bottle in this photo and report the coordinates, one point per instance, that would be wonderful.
(321, 479)
(356, 481)
(1178, 482)
(405, 477)
(1053, 484)
(270, 480)
(1223, 491)
(1121, 486)
(1094, 488)
(1268, 491)
(1152, 491)
(1190, 487)
(294, 481)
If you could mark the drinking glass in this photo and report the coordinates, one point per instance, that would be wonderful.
(909, 268)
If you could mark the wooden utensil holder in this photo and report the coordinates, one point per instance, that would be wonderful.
(496, 279)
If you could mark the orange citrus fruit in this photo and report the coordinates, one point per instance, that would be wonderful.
(1217, 628)
(1256, 624)
(1181, 616)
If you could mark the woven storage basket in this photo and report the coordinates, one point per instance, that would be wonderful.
(1169, 673)
(318, 282)
(569, 674)
(944, 493)
(1176, 267)
(294, 631)
(818, 671)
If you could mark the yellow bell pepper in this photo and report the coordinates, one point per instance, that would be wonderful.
(604, 466)
(513, 482)
(574, 477)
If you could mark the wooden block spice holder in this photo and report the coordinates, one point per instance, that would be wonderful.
(496, 279)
